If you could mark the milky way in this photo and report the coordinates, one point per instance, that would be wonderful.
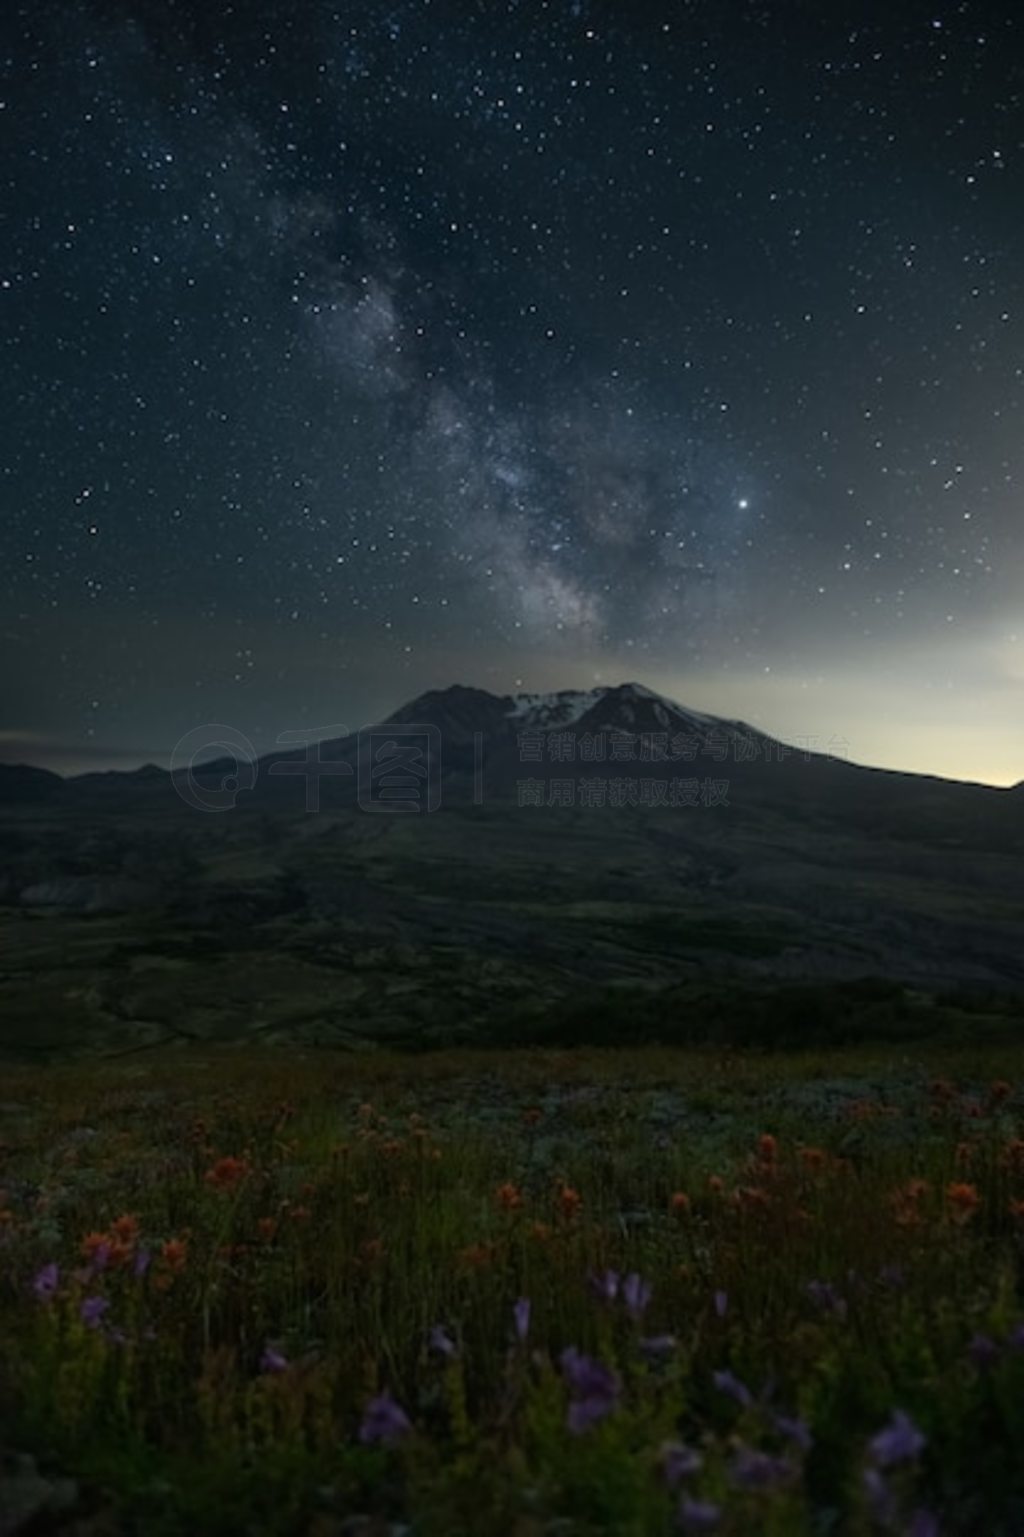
(355, 349)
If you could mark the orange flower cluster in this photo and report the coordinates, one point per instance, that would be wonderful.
(118, 1242)
(569, 1201)
(227, 1173)
(679, 1203)
(174, 1253)
(963, 1200)
(508, 1196)
(906, 1202)
(750, 1198)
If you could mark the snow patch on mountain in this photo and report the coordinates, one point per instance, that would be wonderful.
(538, 712)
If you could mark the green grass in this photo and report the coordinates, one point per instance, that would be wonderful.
(373, 1199)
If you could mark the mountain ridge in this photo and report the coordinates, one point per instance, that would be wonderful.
(464, 713)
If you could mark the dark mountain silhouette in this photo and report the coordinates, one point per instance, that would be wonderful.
(20, 782)
(714, 854)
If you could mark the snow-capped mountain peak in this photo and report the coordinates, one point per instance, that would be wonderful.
(625, 706)
(561, 709)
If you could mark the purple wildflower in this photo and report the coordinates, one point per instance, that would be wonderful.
(899, 1441)
(273, 1361)
(141, 1263)
(521, 1318)
(728, 1383)
(92, 1310)
(752, 1469)
(679, 1462)
(721, 1303)
(698, 1515)
(881, 1500)
(1015, 1338)
(47, 1281)
(594, 1389)
(442, 1342)
(795, 1430)
(384, 1422)
(636, 1294)
(606, 1285)
(99, 1258)
(586, 1376)
(983, 1352)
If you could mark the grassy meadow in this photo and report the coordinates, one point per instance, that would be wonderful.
(642, 1291)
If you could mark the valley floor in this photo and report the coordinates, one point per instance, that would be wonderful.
(536, 1292)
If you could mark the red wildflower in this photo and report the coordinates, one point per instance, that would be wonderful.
(569, 1201)
(174, 1254)
(125, 1229)
(963, 1200)
(227, 1173)
(92, 1243)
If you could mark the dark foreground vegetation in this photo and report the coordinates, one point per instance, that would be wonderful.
(637, 1291)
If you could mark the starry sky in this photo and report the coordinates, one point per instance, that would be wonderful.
(354, 349)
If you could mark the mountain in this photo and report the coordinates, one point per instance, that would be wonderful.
(621, 707)
(21, 783)
(470, 732)
(588, 845)
(481, 747)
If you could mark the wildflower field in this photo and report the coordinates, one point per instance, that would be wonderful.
(636, 1292)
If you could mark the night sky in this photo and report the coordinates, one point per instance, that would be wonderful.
(357, 349)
